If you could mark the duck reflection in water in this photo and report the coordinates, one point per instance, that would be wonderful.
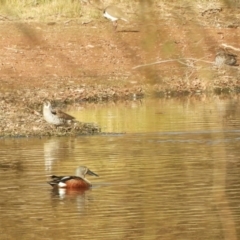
(66, 194)
(73, 183)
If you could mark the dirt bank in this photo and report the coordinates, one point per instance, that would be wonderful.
(65, 61)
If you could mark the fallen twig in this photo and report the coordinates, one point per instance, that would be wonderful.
(229, 46)
(171, 60)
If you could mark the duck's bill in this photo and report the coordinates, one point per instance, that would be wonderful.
(89, 172)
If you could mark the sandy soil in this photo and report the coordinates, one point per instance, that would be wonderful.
(68, 61)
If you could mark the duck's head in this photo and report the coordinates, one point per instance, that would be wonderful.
(81, 171)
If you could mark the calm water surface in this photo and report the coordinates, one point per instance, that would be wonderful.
(173, 175)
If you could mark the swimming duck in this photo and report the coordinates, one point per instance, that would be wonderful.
(73, 182)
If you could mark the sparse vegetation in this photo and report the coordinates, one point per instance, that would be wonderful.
(41, 10)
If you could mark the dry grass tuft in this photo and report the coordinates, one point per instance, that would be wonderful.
(40, 10)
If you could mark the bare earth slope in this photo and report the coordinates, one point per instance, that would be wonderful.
(68, 61)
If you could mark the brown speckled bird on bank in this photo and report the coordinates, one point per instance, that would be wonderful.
(55, 116)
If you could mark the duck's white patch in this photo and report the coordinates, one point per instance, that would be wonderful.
(62, 185)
